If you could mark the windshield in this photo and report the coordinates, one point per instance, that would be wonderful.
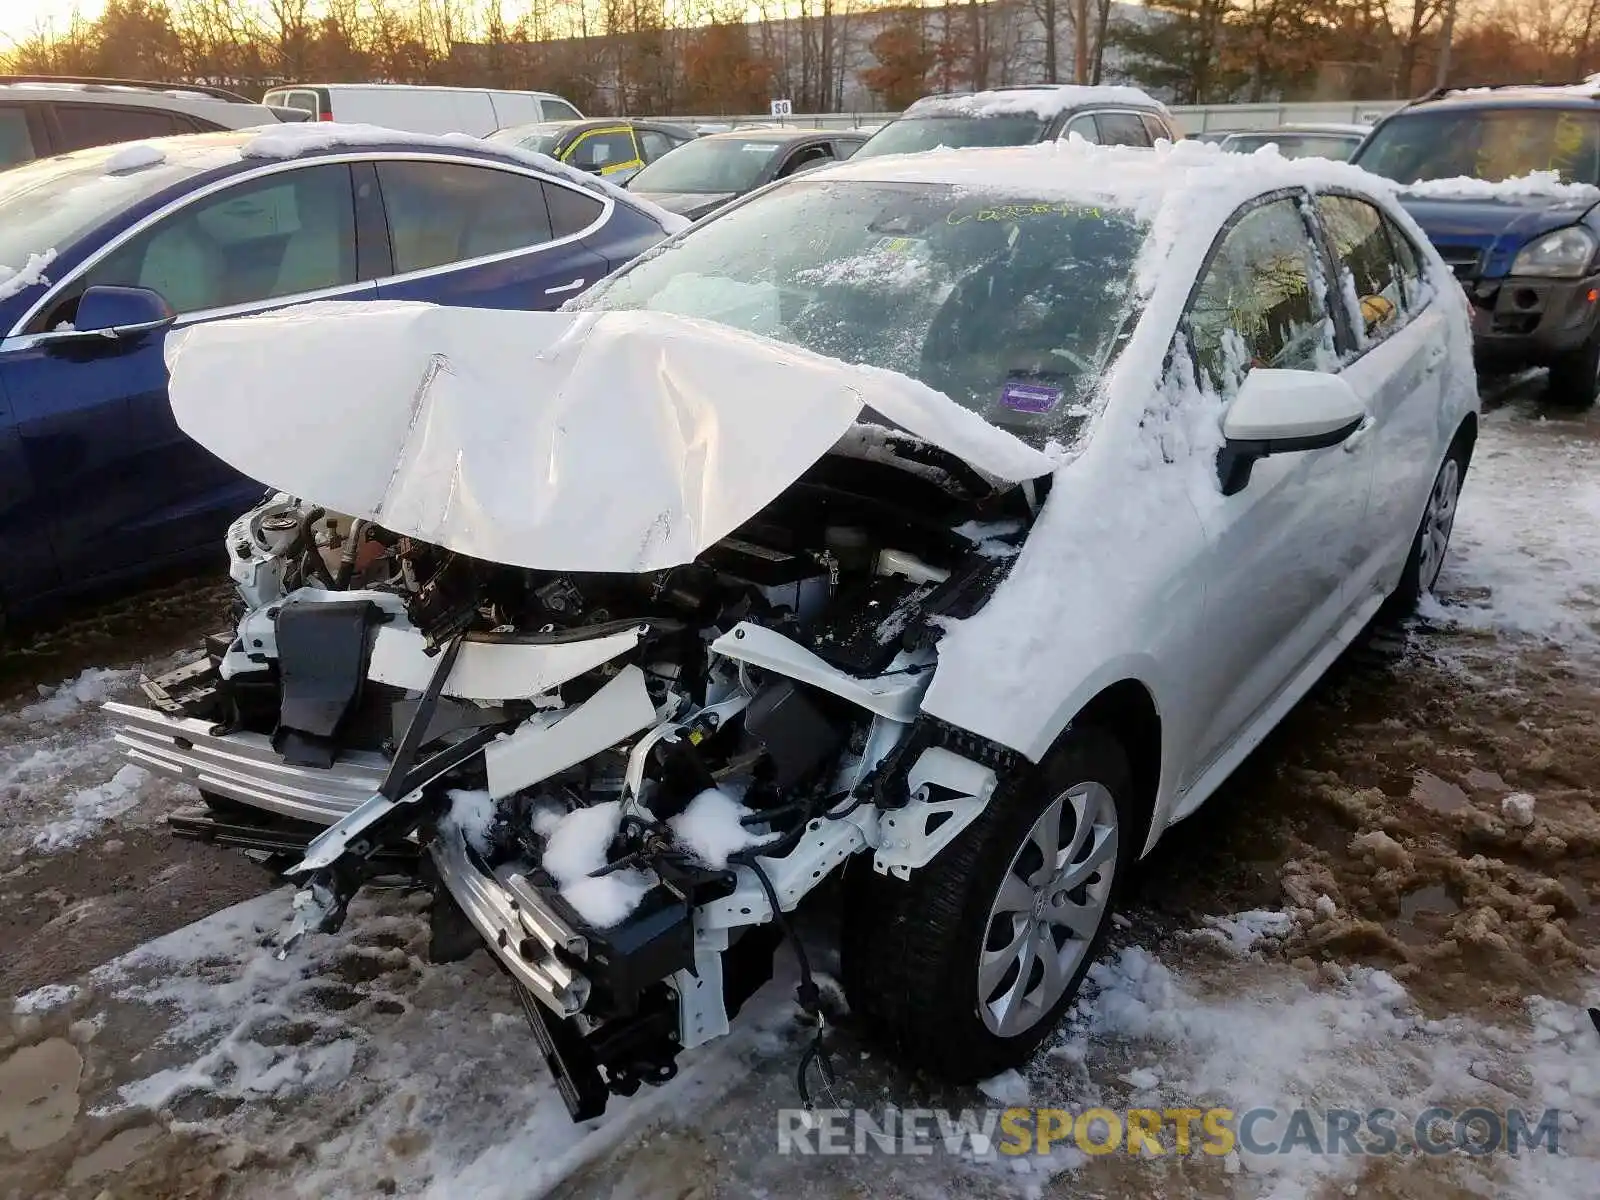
(541, 139)
(912, 135)
(1488, 144)
(710, 166)
(51, 203)
(1296, 145)
(1011, 305)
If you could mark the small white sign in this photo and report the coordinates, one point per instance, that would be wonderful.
(782, 108)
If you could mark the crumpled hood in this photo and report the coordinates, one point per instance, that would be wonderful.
(689, 204)
(582, 441)
(1500, 227)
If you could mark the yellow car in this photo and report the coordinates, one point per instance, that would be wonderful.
(613, 148)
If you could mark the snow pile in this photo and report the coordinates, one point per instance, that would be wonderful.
(135, 156)
(90, 809)
(575, 846)
(710, 827)
(1539, 185)
(1241, 933)
(1008, 1089)
(293, 140)
(61, 779)
(1525, 553)
(44, 999)
(471, 815)
(19, 279)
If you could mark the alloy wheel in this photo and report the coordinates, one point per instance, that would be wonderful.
(1438, 521)
(1050, 904)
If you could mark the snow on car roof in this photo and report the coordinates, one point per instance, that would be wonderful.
(1540, 185)
(1188, 175)
(1043, 101)
(293, 140)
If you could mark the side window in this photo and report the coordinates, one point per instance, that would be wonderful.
(809, 156)
(84, 125)
(653, 143)
(1369, 280)
(597, 151)
(571, 211)
(558, 110)
(1122, 129)
(1409, 264)
(441, 212)
(1084, 127)
(1154, 127)
(291, 232)
(844, 149)
(1256, 305)
(16, 143)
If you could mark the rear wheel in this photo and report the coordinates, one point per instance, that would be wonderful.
(1432, 541)
(1575, 376)
(965, 968)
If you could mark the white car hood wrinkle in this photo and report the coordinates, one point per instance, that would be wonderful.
(581, 441)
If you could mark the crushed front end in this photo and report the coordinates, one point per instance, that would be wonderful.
(619, 783)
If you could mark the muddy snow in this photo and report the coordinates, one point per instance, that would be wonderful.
(1393, 905)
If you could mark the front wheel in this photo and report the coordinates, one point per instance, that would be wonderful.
(965, 968)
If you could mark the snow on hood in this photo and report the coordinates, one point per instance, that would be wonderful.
(566, 441)
(1540, 185)
(293, 140)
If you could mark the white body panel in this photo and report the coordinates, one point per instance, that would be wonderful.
(423, 109)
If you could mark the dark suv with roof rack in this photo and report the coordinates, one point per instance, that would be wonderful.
(45, 115)
(1505, 181)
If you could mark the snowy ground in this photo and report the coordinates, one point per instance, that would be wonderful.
(1392, 905)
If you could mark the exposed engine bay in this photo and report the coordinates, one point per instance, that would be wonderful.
(620, 784)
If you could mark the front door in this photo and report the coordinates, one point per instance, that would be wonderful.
(1283, 547)
(122, 484)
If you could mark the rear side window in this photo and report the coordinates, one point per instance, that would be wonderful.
(16, 143)
(1368, 276)
(1084, 127)
(441, 213)
(1122, 129)
(1154, 127)
(85, 125)
(653, 143)
(571, 211)
(806, 156)
(1409, 263)
(558, 110)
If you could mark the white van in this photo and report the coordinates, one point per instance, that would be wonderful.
(422, 108)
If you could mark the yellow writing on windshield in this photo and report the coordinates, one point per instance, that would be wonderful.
(1016, 212)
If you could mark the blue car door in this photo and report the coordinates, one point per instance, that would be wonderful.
(123, 487)
(486, 236)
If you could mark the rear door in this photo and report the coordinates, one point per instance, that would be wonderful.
(123, 484)
(481, 235)
(1393, 343)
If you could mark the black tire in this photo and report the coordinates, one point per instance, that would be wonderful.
(1421, 572)
(1575, 376)
(911, 948)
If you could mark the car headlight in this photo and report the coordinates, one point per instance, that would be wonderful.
(1564, 254)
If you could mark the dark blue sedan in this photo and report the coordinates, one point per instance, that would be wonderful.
(104, 250)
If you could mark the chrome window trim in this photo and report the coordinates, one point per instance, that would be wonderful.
(16, 339)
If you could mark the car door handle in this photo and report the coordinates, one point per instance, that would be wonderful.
(1359, 438)
(565, 287)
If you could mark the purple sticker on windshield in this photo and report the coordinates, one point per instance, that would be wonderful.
(1030, 397)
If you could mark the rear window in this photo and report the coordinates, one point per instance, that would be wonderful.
(16, 143)
(85, 125)
(912, 135)
(558, 110)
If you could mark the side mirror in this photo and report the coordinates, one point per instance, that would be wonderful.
(114, 314)
(1284, 412)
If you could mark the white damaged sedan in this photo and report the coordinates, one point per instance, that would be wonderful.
(953, 523)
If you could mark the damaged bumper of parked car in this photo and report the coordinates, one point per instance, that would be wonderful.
(617, 656)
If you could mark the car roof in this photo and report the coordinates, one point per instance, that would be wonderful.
(1045, 100)
(212, 104)
(1144, 179)
(783, 134)
(1311, 127)
(413, 87)
(1517, 95)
